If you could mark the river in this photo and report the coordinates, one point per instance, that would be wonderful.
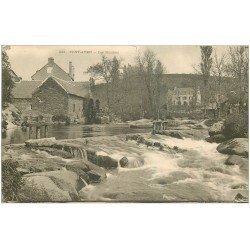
(196, 174)
(60, 132)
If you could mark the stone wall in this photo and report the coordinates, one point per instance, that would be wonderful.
(22, 104)
(50, 98)
(76, 106)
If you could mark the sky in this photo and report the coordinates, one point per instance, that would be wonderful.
(26, 60)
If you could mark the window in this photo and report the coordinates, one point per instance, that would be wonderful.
(49, 70)
(74, 107)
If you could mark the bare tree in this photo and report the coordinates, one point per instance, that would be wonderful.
(150, 72)
(218, 71)
(237, 66)
(205, 68)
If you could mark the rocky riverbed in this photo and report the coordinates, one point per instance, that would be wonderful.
(177, 166)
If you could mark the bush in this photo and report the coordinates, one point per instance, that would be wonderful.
(61, 118)
(4, 124)
(236, 126)
(11, 180)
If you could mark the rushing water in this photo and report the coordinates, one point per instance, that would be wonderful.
(198, 174)
(18, 135)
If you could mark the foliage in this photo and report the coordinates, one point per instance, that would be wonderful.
(236, 125)
(11, 180)
(61, 118)
(4, 124)
(90, 112)
(7, 81)
(107, 70)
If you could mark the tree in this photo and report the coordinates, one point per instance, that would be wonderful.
(150, 71)
(205, 68)
(7, 81)
(157, 90)
(218, 72)
(90, 112)
(108, 70)
(237, 66)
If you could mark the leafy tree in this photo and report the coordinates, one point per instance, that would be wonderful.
(7, 81)
(108, 70)
(90, 112)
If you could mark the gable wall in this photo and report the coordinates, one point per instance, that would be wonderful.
(50, 98)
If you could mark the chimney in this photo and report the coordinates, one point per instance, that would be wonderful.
(71, 71)
(50, 61)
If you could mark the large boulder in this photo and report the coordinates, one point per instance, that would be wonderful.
(234, 160)
(42, 189)
(236, 146)
(60, 185)
(216, 138)
(174, 134)
(216, 128)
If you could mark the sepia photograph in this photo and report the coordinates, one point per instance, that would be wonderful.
(125, 123)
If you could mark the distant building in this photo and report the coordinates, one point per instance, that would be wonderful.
(184, 96)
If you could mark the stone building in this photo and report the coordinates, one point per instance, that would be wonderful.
(52, 91)
(22, 92)
(184, 96)
(58, 97)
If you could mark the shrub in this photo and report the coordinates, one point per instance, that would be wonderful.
(61, 118)
(236, 126)
(11, 180)
(4, 124)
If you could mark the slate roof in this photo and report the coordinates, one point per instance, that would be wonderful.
(56, 71)
(183, 91)
(81, 89)
(24, 89)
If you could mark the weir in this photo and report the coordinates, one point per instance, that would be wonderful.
(159, 126)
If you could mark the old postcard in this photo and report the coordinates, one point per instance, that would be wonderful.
(125, 123)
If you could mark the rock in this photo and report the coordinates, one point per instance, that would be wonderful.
(42, 189)
(123, 162)
(240, 198)
(106, 161)
(216, 128)
(57, 152)
(94, 176)
(237, 146)
(60, 185)
(95, 172)
(44, 142)
(81, 164)
(80, 168)
(234, 160)
(174, 134)
(218, 138)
